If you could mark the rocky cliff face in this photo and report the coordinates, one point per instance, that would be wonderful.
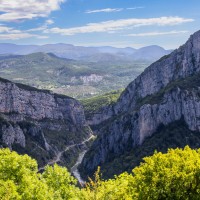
(39, 122)
(165, 92)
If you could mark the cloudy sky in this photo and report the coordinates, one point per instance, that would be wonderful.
(120, 23)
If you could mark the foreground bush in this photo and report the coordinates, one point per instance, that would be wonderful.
(19, 179)
(174, 175)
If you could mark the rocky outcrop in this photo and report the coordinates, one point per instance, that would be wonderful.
(166, 91)
(181, 63)
(39, 122)
(13, 134)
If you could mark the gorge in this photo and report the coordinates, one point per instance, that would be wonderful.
(166, 92)
(52, 128)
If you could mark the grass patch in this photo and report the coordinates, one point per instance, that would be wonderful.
(94, 104)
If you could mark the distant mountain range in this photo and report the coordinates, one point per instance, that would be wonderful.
(94, 54)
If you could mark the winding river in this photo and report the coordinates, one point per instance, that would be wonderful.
(74, 169)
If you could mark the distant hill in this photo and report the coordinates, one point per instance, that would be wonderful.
(150, 53)
(153, 52)
(6, 48)
(74, 78)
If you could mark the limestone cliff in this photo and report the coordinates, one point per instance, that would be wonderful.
(167, 91)
(38, 122)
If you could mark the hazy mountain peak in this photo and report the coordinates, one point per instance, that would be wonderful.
(87, 53)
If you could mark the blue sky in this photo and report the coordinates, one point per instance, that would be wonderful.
(120, 23)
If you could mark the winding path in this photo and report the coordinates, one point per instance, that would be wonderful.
(74, 169)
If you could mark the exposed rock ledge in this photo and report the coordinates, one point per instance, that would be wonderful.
(39, 122)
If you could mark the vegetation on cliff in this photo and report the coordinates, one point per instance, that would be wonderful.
(94, 104)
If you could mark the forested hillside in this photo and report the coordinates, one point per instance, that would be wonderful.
(79, 79)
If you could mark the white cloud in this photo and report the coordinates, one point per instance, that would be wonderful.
(43, 27)
(14, 10)
(16, 16)
(134, 8)
(121, 24)
(49, 22)
(17, 36)
(8, 33)
(107, 10)
(156, 33)
(5, 29)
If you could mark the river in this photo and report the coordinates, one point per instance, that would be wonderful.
(74, 169)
